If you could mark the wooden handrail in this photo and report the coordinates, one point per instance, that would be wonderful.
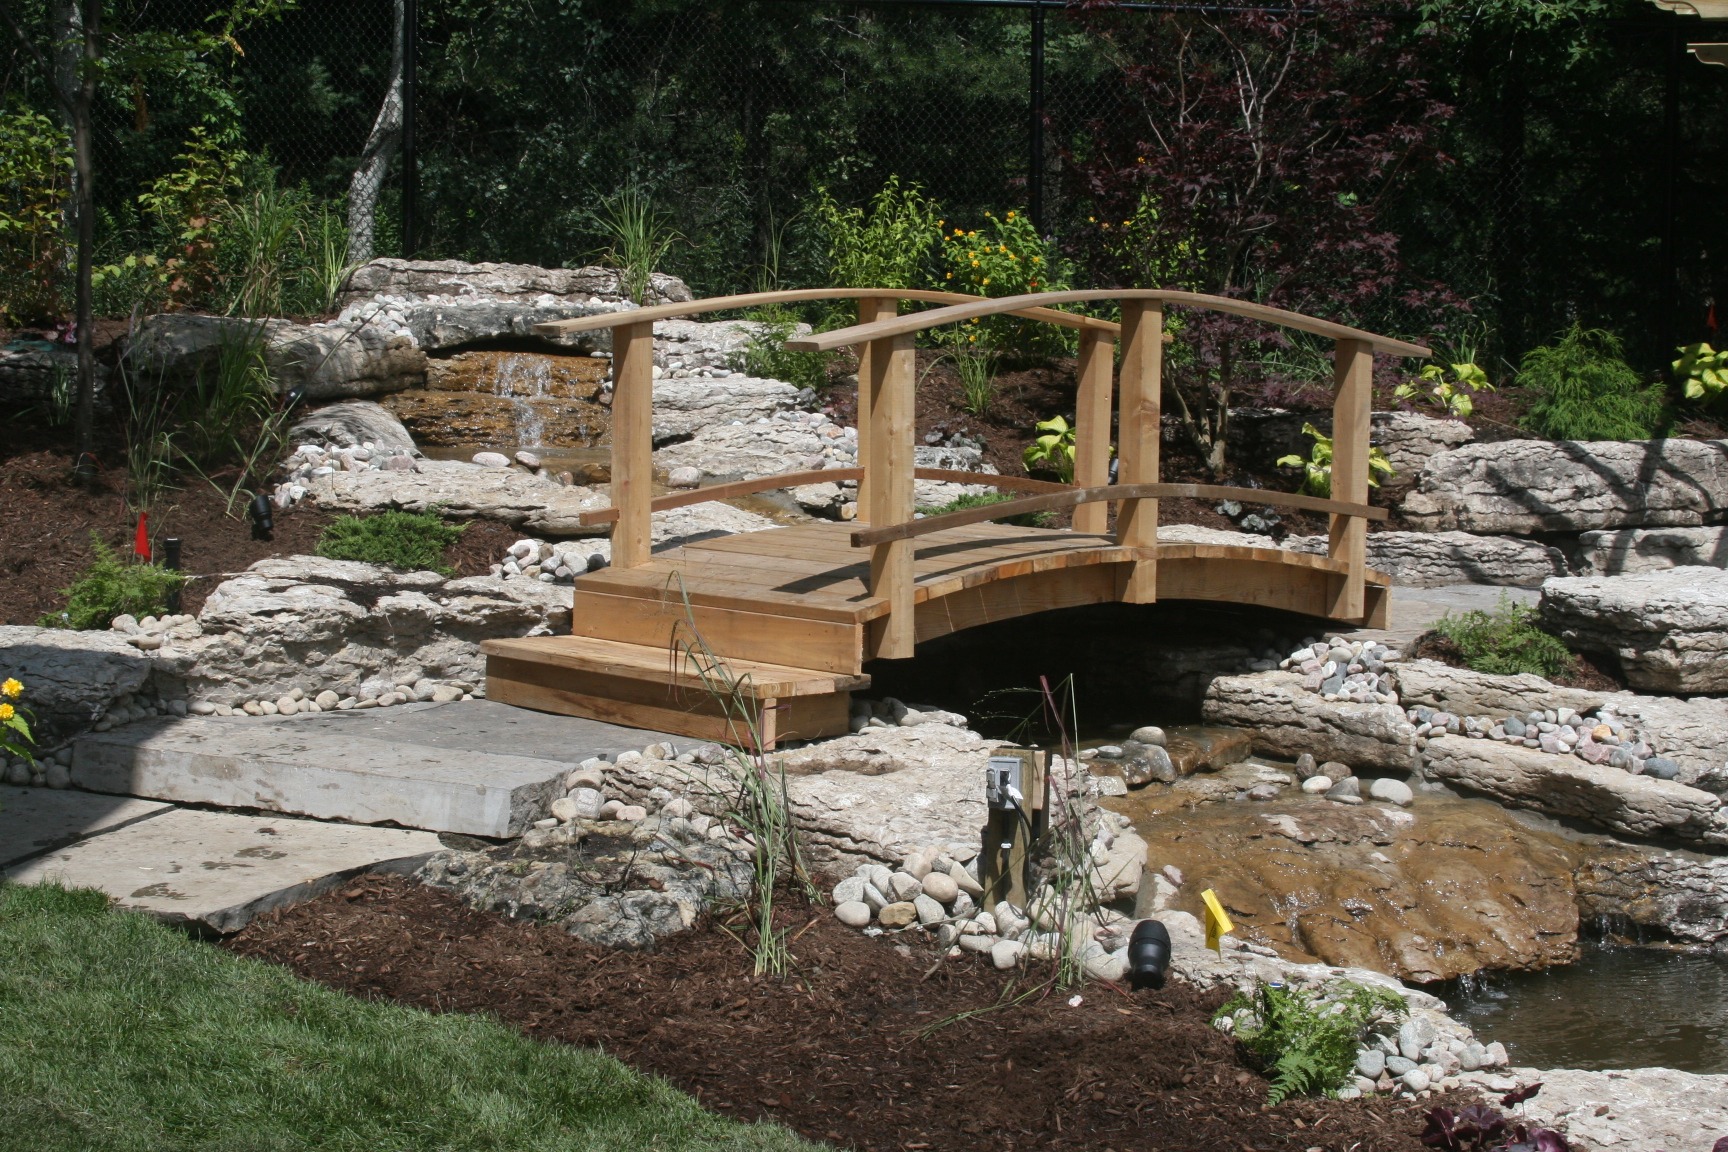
(955, 313)
(1071, 497)
(734, 489)
(801, 295)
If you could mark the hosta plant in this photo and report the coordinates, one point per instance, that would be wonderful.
(1053, 451)
(1317, 468)
(1703, 370)
(1448, 387)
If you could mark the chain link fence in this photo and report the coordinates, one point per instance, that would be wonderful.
(1591, 194)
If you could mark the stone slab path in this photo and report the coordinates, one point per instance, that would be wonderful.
(218, 869)
(37, 820)
(474, 767)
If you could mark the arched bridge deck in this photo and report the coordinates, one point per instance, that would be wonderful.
(762, 636)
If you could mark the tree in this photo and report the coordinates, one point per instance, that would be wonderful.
(1249, 158)
(381, 145)
(90, 40)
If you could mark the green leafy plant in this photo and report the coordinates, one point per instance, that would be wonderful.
(1581, 389)
(232, 427)
(1449, 387)
(1306, 1041)
(1317, 467)
(1703, 370)
(412, 541)
(887, 247)
(15, 737)
(1005, 257)
(1053, 450)
(263, 239)
(638, 235)
(975, 365)
(1506, 641)
(766, 356)
(111, 587)
(985, 500)
(330, 263)
(189, 203)
(35, 165)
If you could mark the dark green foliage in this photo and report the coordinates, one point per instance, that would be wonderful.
(961, 503)
(1505, 641)
(1307, 1041)
(411, 541)
(111, 587)
(767, 357)
(1581, 389)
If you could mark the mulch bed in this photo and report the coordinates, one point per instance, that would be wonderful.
(861, 1047)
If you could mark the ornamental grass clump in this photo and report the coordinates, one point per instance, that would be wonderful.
(111, 587)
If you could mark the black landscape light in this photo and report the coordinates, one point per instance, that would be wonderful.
(263, 523)
(1148, 955)
(171, 561)
(291, 399)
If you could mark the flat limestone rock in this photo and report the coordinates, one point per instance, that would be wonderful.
(1567, 786)
(518, 282)
(357, 766)
(1288, 720)
(1668, 629)
(1624, 551)
(1681, 894)
(221, 869)
(1626, 1110)
(1436, 559)
(34, 820)
(1521, 487)
(70, 677)
(324, 361)
(538, 505)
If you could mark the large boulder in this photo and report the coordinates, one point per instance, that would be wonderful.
(1681, 894)
(1434, 559)
(687, 406)
(1407, 438)
(351, 423)
(453, 278)
(30, 369)
(537, 504)
(1521, 487)
(323, 361)
(1566, 786)
(1668, 629)
(1288, 720)
(70, 678)
(1624, 551)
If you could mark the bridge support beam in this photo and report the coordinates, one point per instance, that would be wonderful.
(889, 465)
(1139, 433)
(1347, 538)
(632, 443)
(1092, 426)
(870, 310)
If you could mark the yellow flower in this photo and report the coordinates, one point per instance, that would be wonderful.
(974, 263)
(1010, 215)
(6, 712)
(986, 279)
(959, 232)
(939, 223)
(950, 276)
(11, 689)
(974, 232)
(1091, 219)
(1001, 247)
(1037, 259)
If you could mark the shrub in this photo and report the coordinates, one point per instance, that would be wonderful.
(1307, 1041)
(888, 247)
(1581, 389)
(412, 541)
(35, 168)
(766, 355)
(111, 587)
(1006, 257)
(1505, 641)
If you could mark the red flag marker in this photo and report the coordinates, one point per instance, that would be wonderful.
(141, 541)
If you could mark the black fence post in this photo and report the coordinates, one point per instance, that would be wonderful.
(1035, 153)
(410, 158)
(1671, 190)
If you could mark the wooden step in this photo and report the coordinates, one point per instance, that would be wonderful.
(688, 694)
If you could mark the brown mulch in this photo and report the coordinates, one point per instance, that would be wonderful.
(1591, 673)
(861, 1047)
(46, 523)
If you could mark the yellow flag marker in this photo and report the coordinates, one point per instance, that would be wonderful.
(1217, 921)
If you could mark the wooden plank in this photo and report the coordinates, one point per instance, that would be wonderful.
(667, 668)
(632, 443)
(870, 310)
(742, 595)
(1141, 433)
(1092, 427)
(1024, 596)
(728, 491)
(959, 313)
(806, 718)
(762, 636)
(798, 296)
(889, 467)
(1347, 537)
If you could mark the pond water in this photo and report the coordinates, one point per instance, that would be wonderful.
(1617, 1007)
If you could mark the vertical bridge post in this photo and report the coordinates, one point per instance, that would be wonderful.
(1347, 538)
(888, 472)
(632, 442)
(870, 310)
(1139, 432)
(1092, 426)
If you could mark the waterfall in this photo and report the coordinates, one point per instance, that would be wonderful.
(523, 378)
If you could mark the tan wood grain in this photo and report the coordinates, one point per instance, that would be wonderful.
(893, 377)
(1140, 433)
(632, 443)
(1092, 426)
(1347, 536)
(762, 636)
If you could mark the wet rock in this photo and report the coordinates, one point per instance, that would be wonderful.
(1349, 788)
(1523, 487)
(1667, 629)
(1679, 894)
(1391, 791)
(1197, 748)
(1150, 734)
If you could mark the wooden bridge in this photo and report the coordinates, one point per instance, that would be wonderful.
(779, 624)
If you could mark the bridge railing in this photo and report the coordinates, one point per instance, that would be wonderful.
(886, 435)
(885, 404)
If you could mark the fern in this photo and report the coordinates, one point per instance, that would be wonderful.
(1306, 1041)
(1298, 1073)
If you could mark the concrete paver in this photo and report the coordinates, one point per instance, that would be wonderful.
(34, 820)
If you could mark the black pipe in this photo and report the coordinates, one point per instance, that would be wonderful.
(410, 158)
(1671, 192)
(1035, 153)
(1148, 955)
(171, 561)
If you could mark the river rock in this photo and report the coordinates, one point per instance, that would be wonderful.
(940, 886)
(900, 914)
(1624, 551)
(1287, 719)
(1433, 559)
(853, 913)
(323, 361)
(1668, 629)
(1005, 954)
(1523, 487)
(351, 423)
(1392, 791)
(1566, 786)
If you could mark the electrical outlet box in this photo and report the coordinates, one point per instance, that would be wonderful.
(1005, 782)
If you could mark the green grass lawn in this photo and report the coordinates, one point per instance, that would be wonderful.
(119, 1033)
